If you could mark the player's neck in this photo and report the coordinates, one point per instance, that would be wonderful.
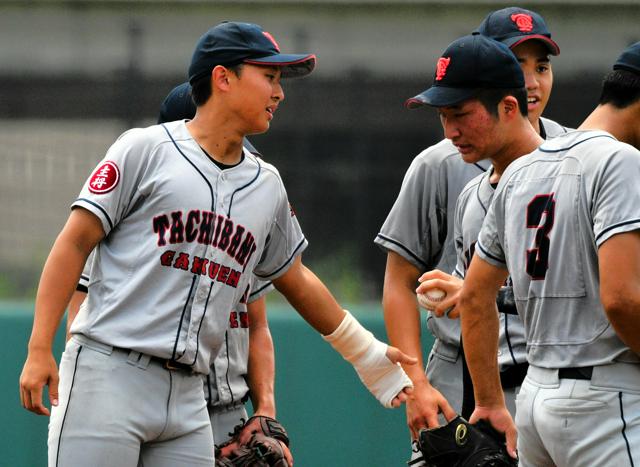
(618, 122)
(219, 139)
(522, 140)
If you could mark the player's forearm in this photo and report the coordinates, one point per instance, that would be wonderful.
(311, 298)
(57, 283)
(402, 322)
(74, 306)
(261, 372)
(480, 327)
(401, 312)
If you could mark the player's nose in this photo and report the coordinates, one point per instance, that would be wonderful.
(278, 92)
(530, 80)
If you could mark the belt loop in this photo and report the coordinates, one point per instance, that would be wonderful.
(133, 357)
(144, 360)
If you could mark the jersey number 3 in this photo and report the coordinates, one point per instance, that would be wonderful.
(538, 257)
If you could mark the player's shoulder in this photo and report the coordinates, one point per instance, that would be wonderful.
(266, 170)
(473, 184)
(442, 157)
(579, 142)
(553, 129)
(154, 135)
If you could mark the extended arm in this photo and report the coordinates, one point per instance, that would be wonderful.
(480, 325)
(58, 281)
(373, 360)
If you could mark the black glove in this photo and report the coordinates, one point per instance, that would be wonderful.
(460, 444)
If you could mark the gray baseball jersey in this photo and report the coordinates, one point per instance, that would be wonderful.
(471, 209)
(226, 383)
(550, 213)
(420, 225)
(182, 238)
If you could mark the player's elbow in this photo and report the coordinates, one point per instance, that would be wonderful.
(622, 304)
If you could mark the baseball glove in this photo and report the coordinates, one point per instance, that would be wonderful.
(260, 451)
(260, 441)
(461, 444)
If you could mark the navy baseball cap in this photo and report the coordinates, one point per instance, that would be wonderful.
(513, 26)
(232, 43)
(177, 105)
(629, 59)
(468, 65)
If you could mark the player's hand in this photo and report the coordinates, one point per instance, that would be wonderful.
(39, 370)
(395, 355)
(450, 284)
(501, 420)
(423, 408)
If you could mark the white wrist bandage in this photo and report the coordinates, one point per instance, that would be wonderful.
(384, 379)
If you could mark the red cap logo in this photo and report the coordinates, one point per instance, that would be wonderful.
(523, 21)
(441, 67)
(273, 41)
(105, 178)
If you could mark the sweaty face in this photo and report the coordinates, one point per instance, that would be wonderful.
(257, 94)
(534, 60)
(472, 129)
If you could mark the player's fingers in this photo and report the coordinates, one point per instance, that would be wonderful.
(512, 442)
(447, 410)
(53, 390)
(397, 356)
(432, 284)
(432, 420)
(287, 453)
(452, 313)
(36, 402)
(434, 274)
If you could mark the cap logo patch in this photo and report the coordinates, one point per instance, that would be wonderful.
(105, 178)
(523, 21)
(441, 67)
(273, 41)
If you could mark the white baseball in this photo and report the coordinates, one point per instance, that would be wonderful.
(431, 298)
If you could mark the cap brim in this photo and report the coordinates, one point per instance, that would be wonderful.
(553, 48)
(293, 65)
(439, 96)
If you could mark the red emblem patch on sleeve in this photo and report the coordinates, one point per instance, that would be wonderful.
(105, 178)
(523, 21)
(441, 67)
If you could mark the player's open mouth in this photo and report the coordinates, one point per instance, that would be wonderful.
(532, 100)
(271, 111)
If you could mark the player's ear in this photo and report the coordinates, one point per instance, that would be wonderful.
(220, 78)
(509, 106)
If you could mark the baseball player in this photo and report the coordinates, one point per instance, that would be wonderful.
(244, 366)
(180, 216)
(238, 374)
(564, 224)
(526, 33)
(418, 233)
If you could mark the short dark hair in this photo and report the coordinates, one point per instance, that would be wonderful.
(620, 88)
(490, 98)
(201, 87)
